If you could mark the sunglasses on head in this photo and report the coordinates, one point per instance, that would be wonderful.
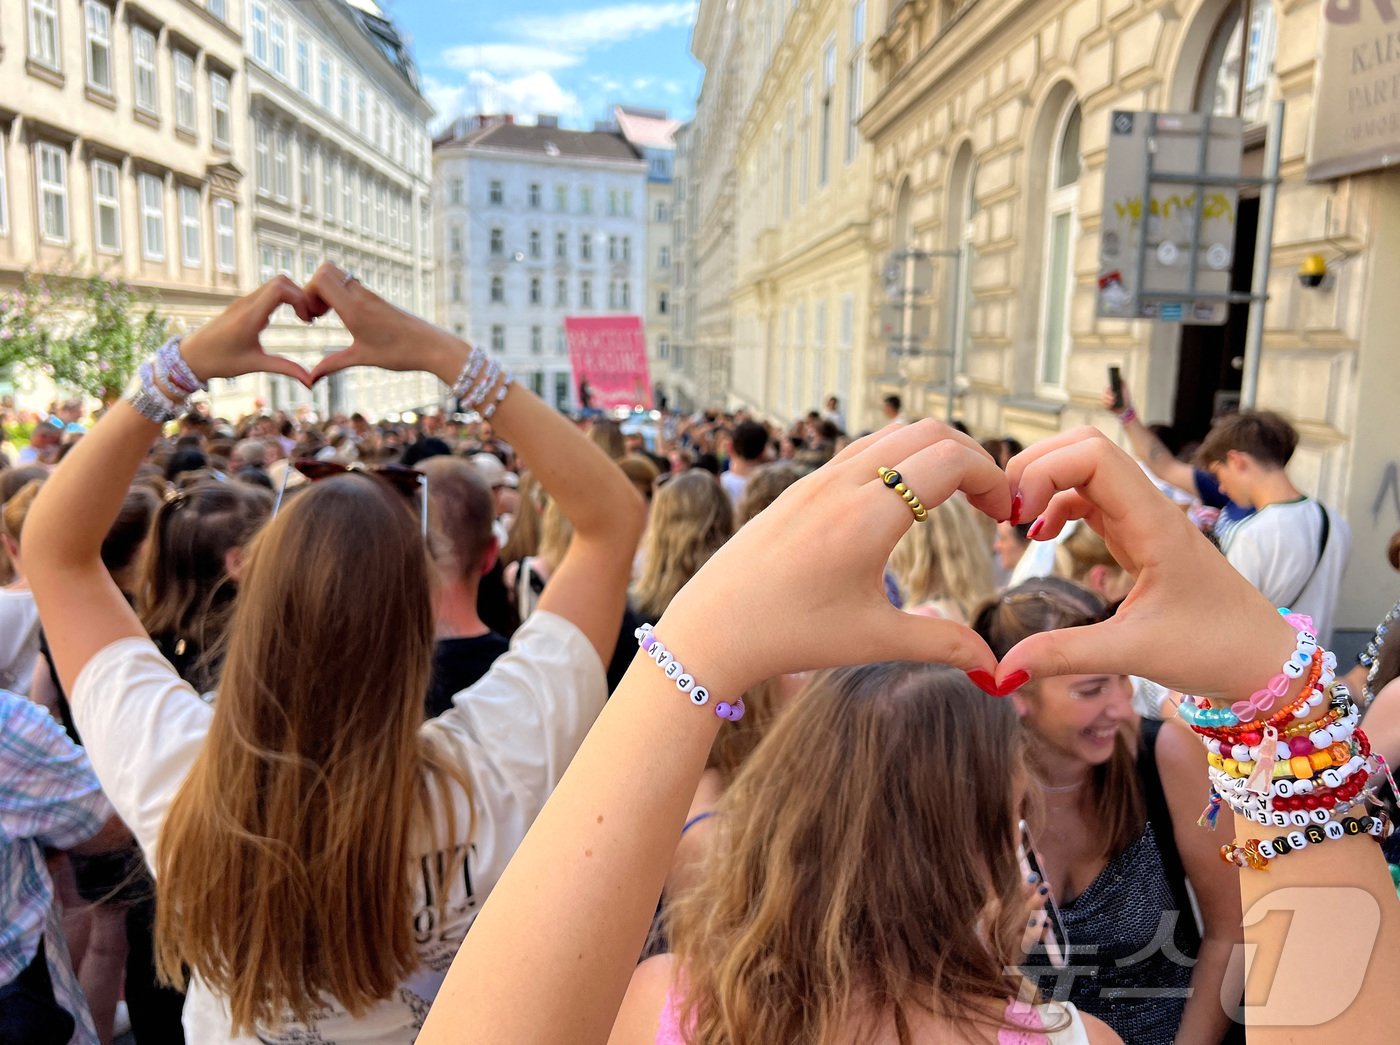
(409, 482)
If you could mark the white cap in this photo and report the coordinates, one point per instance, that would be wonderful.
(491, 469)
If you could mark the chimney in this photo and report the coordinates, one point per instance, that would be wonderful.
(546, 120)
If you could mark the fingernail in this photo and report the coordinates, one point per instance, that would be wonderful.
(1012, 682)
(1044, 890)
(1030, 924)
(1036, 527)
(983, 680)
(1015, 519)
(1032, 878)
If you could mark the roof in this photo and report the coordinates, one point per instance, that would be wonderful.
(646, 128)
(553, 142)
(376, 27)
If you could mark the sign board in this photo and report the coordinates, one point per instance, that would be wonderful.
(609, 358)
(1356, 107)
(1156, 283)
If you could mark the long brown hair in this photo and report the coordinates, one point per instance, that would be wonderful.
(947, 558)
(865, 866)
(1048, 604)
(284, 862)
(691, 518)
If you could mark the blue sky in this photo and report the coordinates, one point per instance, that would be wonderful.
(571, 58)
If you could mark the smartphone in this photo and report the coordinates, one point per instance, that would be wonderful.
(1054, 940)
(1115, 383)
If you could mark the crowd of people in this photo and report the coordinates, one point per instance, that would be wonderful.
(499, 725)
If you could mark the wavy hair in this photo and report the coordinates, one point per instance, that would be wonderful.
(865, 866)
(946, 557)
(284, 864)
(691, 518)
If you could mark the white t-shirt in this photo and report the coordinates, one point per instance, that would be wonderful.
(19, 639)
(733, 484)
(1276, 548)
(514, 732)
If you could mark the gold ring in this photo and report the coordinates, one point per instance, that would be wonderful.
(895, 482)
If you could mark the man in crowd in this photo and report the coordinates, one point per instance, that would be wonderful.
(893, 408)
(749, 448)
(44, 442)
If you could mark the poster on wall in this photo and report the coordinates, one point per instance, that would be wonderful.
(609, 358)
(1356, 102)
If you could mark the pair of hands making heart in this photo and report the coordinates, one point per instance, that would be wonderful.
(800, 587)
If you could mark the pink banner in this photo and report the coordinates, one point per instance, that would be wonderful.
(609, 357)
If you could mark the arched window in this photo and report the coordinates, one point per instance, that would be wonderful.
(1061, 204)
(1234, 78)
(962, 218)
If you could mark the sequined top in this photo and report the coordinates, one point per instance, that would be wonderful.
(1127, 964)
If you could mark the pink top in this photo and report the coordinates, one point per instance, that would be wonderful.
(1024, 1016)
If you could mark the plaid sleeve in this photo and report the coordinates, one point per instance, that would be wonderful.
(48, 791)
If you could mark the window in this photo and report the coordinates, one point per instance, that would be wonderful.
(535, 195)
(536, 246)
(498, 339)
(561, 389)
(537, 340)
(561, 293)
(498, 243)
(365, 217)
(561, 246)
(281, 166)
(303, 65)
(184, 91)
(1060, 217)
(342, 107)
(627, 202)
(455, 195)
(379, 209)
(585, 199)
(222, 116)
(152, 217)
(219, 9)
(585, 247)
(261, 146)
(347, 197)
(361, 109)
(53, 193)
(612, 248)
(498, 193)
(498, 290)
(308, 174)
(267, 267)
(663, 302)
(191, 228)
(456, 287)
(143, 57)
(828, 103)
(454, 239)
(585, 293)
(663, 258)
(1235, 74)
(855, 72)
(627, 249)
(259, 34)
(308, 264)
(223, 235)
(536, 291)
(663, 212)
(279, 45)
(98, 18)
(106, 206)
(323, 81)
(612, 202)
(663, 347)
(43, 33)
(626, 294)
(561, 198)
(329, 172)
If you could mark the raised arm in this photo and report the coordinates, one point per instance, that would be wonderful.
(80, 606)
(589, 587)
(551, 954)
(1147, 448)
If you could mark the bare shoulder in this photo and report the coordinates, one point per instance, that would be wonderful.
(1098, 1032)
(640, 1016)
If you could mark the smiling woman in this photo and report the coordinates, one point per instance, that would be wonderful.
(1117, 849)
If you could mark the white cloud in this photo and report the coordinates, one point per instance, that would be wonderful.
(611, 24)
(509, 59)
(447, 101)
(524, 95)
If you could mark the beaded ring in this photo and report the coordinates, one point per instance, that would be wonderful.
(895, 482)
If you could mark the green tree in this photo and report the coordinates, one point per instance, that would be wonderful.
(89, 334)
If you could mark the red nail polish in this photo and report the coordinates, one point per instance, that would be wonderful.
(1036, 527)
(1012, 682)
(984, 681)
(1016, 510)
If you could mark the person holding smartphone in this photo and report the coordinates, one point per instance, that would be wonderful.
(1117, 841)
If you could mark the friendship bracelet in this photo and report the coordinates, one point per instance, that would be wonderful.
(468, 373)
(148, 400)
(1293, 668)
(1222, 722)
(1255, 853)
(501, 392)
(477, 395)
(1315, 807)
(171, 368)
(1128, 416)
(699, 695)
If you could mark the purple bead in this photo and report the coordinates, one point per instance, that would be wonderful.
(649, 641)
(722, 709)
(736, 712)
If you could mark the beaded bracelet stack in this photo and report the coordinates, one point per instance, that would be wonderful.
(167, 369)
(477, 384)
(698, 694)
(1289, 770)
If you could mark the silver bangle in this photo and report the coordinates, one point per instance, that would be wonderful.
(148, 400)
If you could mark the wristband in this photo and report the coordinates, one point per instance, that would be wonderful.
(147, 399)
(1128, 416)
(698, 694)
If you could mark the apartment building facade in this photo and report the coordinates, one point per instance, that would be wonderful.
(535, 224)
(121, 130)
(339, 169)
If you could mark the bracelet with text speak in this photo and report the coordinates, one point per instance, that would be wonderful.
(698, 694)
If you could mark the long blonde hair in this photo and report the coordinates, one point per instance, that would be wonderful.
(690, 520)
(945, 557)
(284, 863)
(865, 865)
